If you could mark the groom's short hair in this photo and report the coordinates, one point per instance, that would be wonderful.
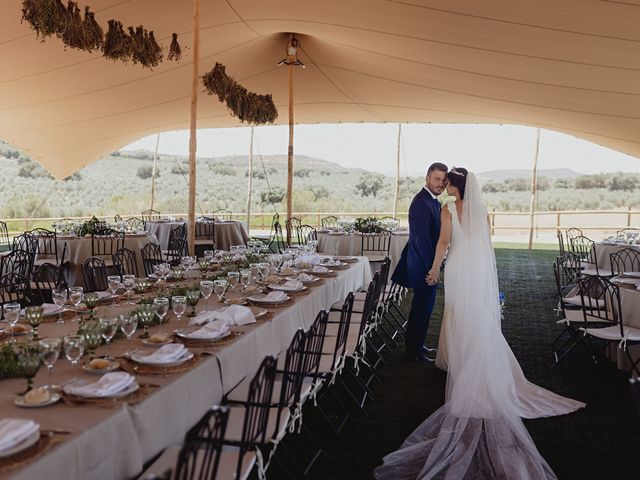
(437, 166)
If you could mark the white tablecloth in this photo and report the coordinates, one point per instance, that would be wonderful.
(115, 443)
(603, 251)
(161, 230)
(227, 233)
(333, 244)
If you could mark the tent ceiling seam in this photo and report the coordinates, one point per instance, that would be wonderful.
(243, 20)
(443, 42)
(460, 70)
(511, 22)
(482, 97)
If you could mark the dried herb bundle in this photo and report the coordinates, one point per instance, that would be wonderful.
(145, 49)
(93, 33)
(117, 44)
(247, 106)
(46, 17)
(73, 35)
(175, 52)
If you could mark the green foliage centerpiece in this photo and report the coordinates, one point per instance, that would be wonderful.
(368, 225)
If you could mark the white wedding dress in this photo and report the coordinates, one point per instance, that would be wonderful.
(478, 432)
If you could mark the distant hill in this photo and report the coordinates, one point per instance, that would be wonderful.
(551, 174)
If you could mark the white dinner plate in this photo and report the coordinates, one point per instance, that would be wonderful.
(284, 288)
(313, 280)
(186, 334)
(259, 312)
(23, 445)
(122, 393)
(630, 274)
(21, 402)
(261, 299)
(142, 360)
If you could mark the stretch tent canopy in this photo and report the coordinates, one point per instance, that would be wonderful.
(571, 66)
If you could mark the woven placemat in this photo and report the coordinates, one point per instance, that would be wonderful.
(135, 368)
(208, 344)
(23, 457)
(133, 398)
(288, 303)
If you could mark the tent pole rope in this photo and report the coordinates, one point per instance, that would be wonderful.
(290, 149)
(534, 182)
(250, 185)
(193, 143)
(153, 172)
(397, 187)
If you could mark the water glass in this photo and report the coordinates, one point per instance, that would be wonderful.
(75, 297)
(264, 268)
(232, 279)
(128, 325)
(179, 304)
(162, 307)
(220, 287)
(108, 328)
(73, 350)
(245, 278)
(59, 296)
(206, 289)
(113, 282)
(34, 315)
(208, 254)
(128, 282)
(49, 353)
(11, 315)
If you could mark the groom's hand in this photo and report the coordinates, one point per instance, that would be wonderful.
(432, 277)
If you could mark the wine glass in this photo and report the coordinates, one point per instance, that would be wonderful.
(204, 264)
(11, 315)
(73, 350)
(59, 296)
(146, 314)
(208, 254)
(108, 328)
(206, 289)
(193, 297)
(185, 262)
(232, 279)
(264, 268)
(91, 300)
(34, 315)
(49, 353)
(128, 325)
(178, 272)
(179, 304)
(313, 246)
(162, 307)
(92, 333)
(245, 278)
(113, 282)
(220, 287)
(29, 362)
(75, 297)
(128, 282)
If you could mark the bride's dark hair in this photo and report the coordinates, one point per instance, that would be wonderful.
(457, 177)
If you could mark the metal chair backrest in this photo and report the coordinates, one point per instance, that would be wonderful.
(306, 233)
(600, 299)
(560, 241)
(199, 457)
(566, 269)
(134, 224)
(44, 279)
(223, 214)
(151, 255)
(343, 327)
(329, 221)
(17, 261)
(94, 272)
(315, 343)
(376, 242)
(47, 244)
(585, 248)
(106, 243)
(4, 237)
(125, 263)
(625, 260)
(572, 233)
(150, 215)
(14, 288)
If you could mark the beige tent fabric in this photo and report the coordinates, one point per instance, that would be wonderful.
(571, 66)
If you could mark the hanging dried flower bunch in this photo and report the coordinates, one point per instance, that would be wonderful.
(46, 17)
(117, 44)
(145, 48)
(73, 35)
(175, 52)
(93, 33)
(247, 106)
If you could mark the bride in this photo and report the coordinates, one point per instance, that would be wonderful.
(478, 432)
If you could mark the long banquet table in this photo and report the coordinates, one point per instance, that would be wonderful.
(339, 243)
(114, 443)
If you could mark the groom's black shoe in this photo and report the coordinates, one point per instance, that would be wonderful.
(423, 358)
(429, 352)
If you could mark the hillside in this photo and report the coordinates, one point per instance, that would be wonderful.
(550, 173)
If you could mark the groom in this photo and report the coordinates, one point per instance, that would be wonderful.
(417, 258)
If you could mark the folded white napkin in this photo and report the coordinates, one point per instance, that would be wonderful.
(103, 295)
(211, 316)
(47, 309)
(330, 262)
(320, 269)
(275, 297)
(308, 259)
(109, 384)
(241, 315)
(15, 430)
(215, 329)
(289, 285)
(166, 354)
(305, 277)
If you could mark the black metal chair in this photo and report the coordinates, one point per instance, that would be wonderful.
(329, 221)
(47, 246)
(14, 288)
(17, 261)
(291, 226)
(306, 233)
(117, 218)
(150, 215)
(125, 263)
(223, 214)
(560, 242)
(571, 233)
(94, 272)
(105, 244)
(4, 237)
(151, 255)
(134, 224)
(375, 246)
(625, 260)
(585, 248)
(44, 279)
(178, 248)
(205, 238)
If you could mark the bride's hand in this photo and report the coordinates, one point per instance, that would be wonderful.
(432, 277)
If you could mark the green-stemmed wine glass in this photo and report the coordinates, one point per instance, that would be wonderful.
(34, 315)
(193, 297)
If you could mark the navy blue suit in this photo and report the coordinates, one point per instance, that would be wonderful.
(414, 264)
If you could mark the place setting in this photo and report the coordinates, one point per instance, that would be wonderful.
(168, 359)
(22, 440)
(213, 328)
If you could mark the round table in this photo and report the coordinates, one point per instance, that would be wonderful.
(79, 249)
(340, 243)
(603, 250)
(226, 233)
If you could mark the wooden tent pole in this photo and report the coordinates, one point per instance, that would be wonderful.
(397, 192)
(290, 150)
(250, 186)
(534, 187)
(193, 144)
(153, 172)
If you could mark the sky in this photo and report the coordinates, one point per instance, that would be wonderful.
(479, 148)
